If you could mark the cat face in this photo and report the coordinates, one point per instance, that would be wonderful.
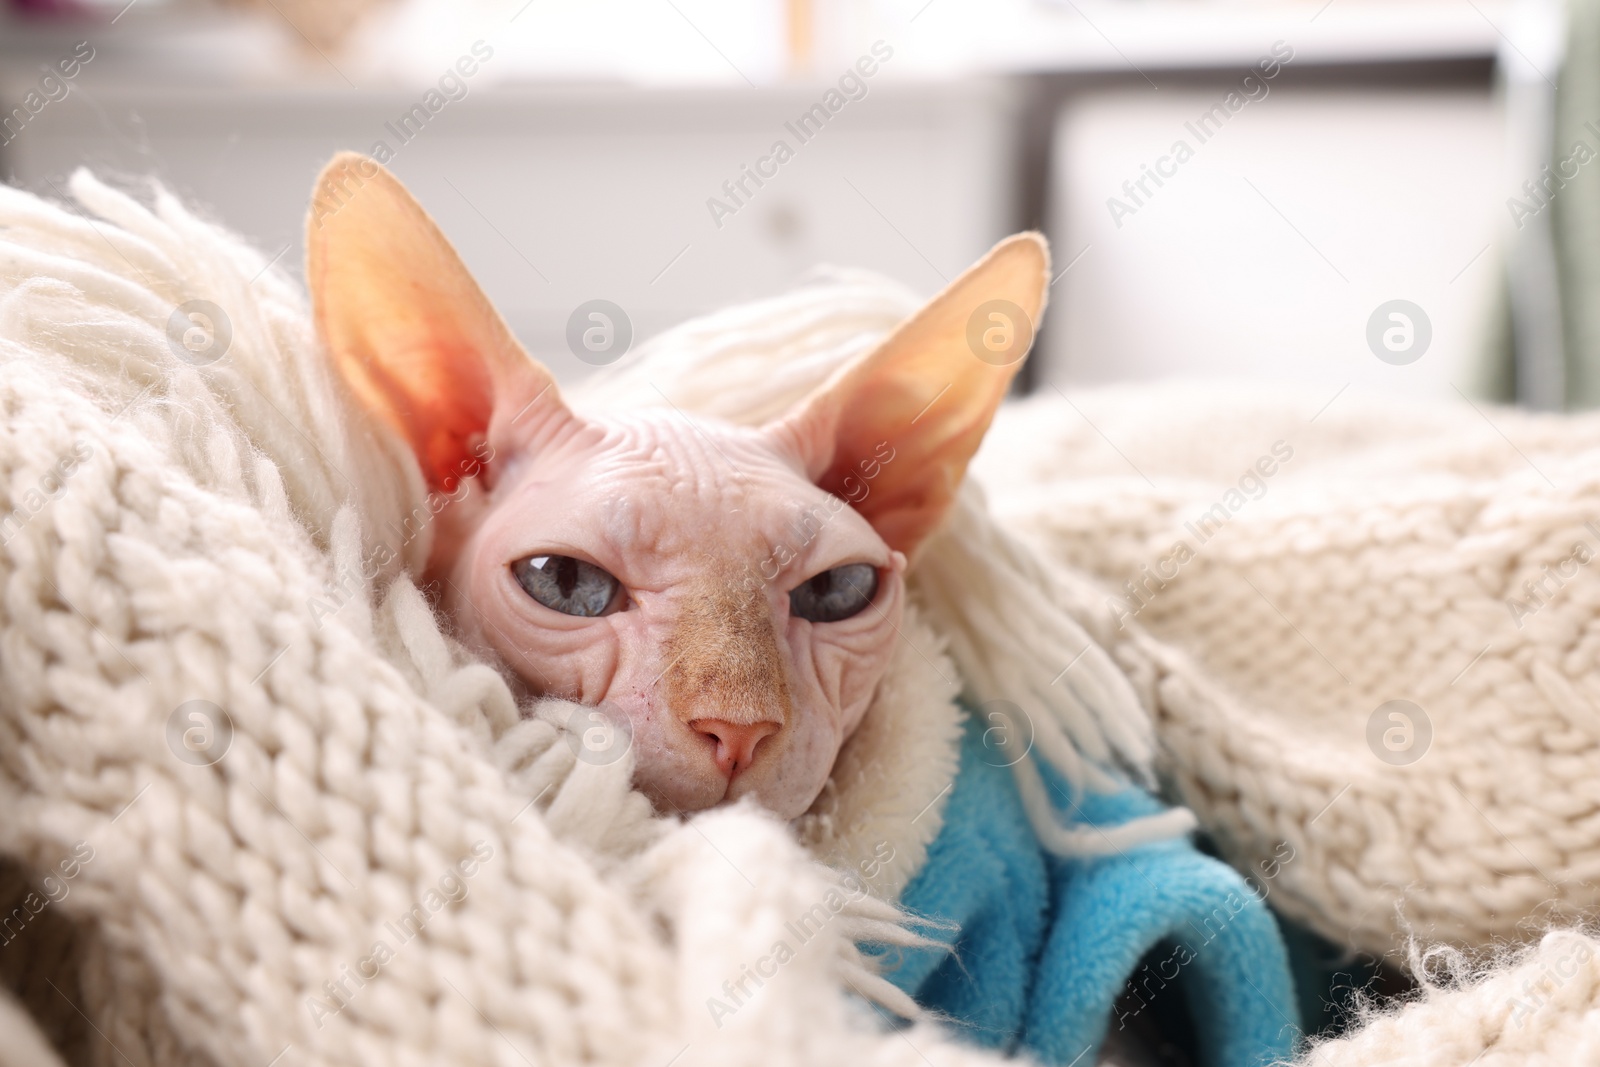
(696, 581)
(733, 593)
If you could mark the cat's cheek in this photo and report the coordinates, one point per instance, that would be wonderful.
(794, 775)
(667, 768)
(838, 666)
(857, 665)
(859, 687)
(572, 663)
(849, 692)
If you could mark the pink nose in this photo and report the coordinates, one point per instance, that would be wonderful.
(736, 742)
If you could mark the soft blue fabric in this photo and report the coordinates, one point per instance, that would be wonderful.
(1044, 946)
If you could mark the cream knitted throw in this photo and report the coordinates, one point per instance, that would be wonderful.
(1540, 1008)
(1434, 554)
(184, 529)
(179, 529)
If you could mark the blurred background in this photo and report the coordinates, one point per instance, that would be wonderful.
(1392, 195)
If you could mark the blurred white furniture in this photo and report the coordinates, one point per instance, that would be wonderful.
(1265, 255)
(990, 117)
(556, 196)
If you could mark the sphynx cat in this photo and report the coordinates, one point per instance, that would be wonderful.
(610, 558)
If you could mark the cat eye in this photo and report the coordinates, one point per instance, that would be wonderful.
(835, 594)
(567, 585)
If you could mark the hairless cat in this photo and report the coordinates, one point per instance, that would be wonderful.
(648, 561)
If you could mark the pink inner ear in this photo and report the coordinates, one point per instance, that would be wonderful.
(902, 485)
(841, 438)
(441, 403)
(893, 433)
(406, 325)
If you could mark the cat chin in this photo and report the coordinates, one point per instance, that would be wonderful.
(785, 808)
(682, 790)
(674, 782)
(679, 797)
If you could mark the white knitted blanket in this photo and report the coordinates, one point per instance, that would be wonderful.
(185, 535)
(1275, 569)
(1429, 553)
(233, 762)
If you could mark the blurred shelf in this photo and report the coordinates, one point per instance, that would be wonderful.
(933, 39)
(1092, 35)
(557, 194)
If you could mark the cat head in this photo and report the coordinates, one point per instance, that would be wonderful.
(734, 593)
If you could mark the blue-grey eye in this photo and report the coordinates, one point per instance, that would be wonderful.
(835, 594)
(567, 585)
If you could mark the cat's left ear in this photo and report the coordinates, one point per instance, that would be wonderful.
(410, 330)
(924, 397)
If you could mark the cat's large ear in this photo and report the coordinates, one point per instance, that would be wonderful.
(410, 330)
(926, 396)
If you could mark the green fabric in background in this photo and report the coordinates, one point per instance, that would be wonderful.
(1494, 375)
(1575, 211)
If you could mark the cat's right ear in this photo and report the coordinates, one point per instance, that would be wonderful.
(410, 330)
(909, 415)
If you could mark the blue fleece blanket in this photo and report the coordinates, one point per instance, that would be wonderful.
(1050, 954)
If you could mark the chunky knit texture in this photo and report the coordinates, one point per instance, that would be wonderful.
(1537, 1008)
(1385, 560)
(179, 530)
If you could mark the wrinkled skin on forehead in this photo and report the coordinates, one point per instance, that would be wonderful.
(756, 575)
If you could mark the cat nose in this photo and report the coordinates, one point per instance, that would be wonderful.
(736, 742)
